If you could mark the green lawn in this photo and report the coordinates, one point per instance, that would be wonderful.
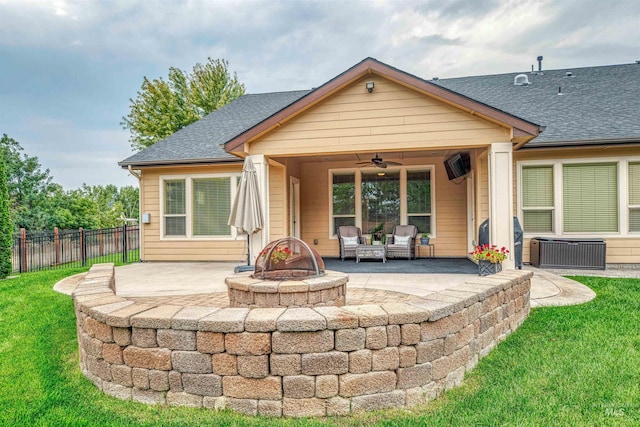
(565, 366)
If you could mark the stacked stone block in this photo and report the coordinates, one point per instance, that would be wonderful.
(328, 290)
(293, 362)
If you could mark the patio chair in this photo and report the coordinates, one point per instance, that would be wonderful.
(402, 242)
(350, 238)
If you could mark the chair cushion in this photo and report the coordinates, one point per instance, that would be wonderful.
(401, 240)
(350, 241)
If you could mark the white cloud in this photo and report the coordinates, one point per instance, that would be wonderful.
(74, 154)
(76, 62)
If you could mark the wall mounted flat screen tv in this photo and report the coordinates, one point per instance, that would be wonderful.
(458, 165)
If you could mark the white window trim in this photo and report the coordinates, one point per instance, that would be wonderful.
(626, 195)
(520, 199)
(188, 178)
(558, 225)
(404, 217)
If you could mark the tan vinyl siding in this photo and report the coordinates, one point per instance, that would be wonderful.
(451, 215)
(354, 120)
(157, 249)
(277, 203)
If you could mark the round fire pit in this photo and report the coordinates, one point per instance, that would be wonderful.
(288, 273)
(288, 259)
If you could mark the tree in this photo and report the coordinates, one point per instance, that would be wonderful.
(6, 227)
(129, 196)
(164, 107)
(30, 188)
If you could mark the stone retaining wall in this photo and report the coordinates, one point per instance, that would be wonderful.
(293, 362)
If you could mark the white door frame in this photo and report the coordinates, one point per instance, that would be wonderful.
(294, 207)
(471, 211)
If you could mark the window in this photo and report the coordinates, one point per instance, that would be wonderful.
(197, 206)
(175, 214)
(211, 206)
(634, 197)
(419, 199)
(380, 200)
(537, 199)
(590, 197)
(344, 200)
(580, 197)
(367, 198)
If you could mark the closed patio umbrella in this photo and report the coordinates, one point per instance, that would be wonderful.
(246, 213)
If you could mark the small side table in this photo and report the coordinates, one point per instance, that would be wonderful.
(432, 250)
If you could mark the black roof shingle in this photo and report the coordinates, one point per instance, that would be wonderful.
(202, 141)
(598, 104)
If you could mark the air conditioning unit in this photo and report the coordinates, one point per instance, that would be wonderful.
(569, 253)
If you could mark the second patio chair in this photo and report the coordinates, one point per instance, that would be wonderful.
(350, 238)
(402, 242)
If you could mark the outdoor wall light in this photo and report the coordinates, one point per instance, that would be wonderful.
(369, 86)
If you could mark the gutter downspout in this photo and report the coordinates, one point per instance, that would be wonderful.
(134, 173)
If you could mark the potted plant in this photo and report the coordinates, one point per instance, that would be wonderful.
(378, 236)
(424, 238)
(489, 259)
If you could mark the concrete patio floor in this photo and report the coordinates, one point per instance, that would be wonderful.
(172, 279)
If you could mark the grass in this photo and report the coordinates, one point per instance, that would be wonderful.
(565, 366)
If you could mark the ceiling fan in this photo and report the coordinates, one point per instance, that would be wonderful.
(378, 162)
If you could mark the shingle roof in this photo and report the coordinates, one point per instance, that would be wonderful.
(598, 103)
(202, 141)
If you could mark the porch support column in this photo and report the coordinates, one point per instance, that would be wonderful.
(261, 238)
(501, 198)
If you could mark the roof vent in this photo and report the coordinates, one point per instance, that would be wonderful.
(521, 80)
(436, 78)
(569, 74)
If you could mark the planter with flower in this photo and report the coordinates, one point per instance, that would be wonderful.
(489, 259)
(378, 235)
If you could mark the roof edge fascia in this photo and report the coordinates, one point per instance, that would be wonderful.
(181, 162)
(373, 66)
(581, 143)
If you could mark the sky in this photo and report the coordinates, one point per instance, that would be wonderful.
(68, 68)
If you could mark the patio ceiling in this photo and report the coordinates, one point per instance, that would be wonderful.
(366, 156)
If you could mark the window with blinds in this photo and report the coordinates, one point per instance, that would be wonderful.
(211, 206)
(590, 197)
(634, 197)
(537, 199)
(175, 215)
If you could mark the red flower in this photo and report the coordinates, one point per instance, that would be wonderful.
(490, 253)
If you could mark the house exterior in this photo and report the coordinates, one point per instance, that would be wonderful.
(561, 153)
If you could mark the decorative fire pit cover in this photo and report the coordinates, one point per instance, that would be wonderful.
(288, 259)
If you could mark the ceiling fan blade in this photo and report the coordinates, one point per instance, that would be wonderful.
(393, 163)
(363, 163)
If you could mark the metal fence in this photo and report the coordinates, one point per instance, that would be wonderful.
(33, 251)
